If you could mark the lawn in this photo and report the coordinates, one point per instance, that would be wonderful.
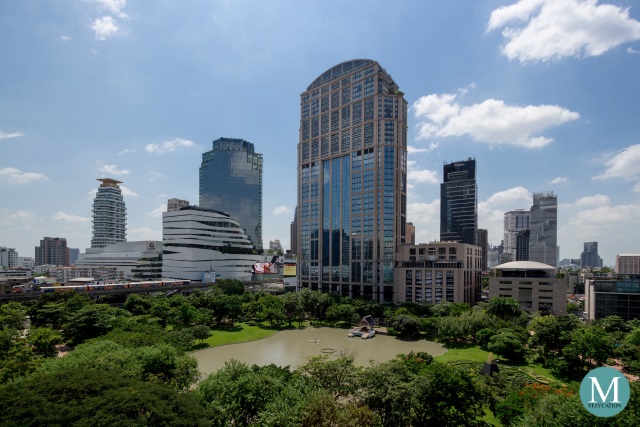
(463, 352)
(242, 332)
(469, 352)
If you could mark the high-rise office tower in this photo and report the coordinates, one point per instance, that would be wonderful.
(109, 215)
(459, 202)
(515, 221)
(352, 175)
(52, 251)
(589, 257)
(294, 234)
(543, 236)
(483, 241)
(231, 182)
(522, 245)
(8, 258)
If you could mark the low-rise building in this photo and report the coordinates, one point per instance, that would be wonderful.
(438, 271)
(533, 284)
(612, 297)
(67, 274)
(628, 264)
(138, 260)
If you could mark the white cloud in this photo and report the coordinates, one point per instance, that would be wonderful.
(636, 188)
(155, 176)
(74, 219)
(144, 233)
(491, 121)
(633, 51)
(426, 175)
(126, 151)
(598, 199)
(115, 7)
(623, 164)
(512, 198)
(424, 212)
(10, 135)
(543, 30)
(16, 176)
(559, 180)
(282, 210)
(22, 215)
(92, 194)
(127, 192)
(157, 212)
(169, 146)
(65, 38)
(106, 27)
(112, 170)
(432, 146)
(607, 215)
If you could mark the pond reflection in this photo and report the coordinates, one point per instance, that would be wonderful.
(293, 347)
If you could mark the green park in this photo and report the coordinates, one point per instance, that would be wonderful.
(80, 362)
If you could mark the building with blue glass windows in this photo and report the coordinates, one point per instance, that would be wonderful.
(352, 178)
(231, 182)
(459, 202)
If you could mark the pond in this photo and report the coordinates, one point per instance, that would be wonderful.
(293, 347)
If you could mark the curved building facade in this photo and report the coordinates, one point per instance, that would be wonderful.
(231, 182)
(352, 178)
(109, 215)
(198, 241)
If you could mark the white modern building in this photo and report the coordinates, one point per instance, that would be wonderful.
(109, 215)
(139, 260)
(514, 221)
(199, 241)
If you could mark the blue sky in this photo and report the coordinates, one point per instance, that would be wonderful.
(545, 95)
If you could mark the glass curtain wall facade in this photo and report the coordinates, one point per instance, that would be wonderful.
(352, 157)
(543, 236)
(109, 215)
(231, 182)
(515, 222)
(459, 203)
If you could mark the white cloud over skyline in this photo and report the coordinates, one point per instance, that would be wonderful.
(73, 219)
(428, 176)
(623, 164)
(282, 210)
(4, 135)
(559, 180)
(105, 28)
(492, 121)
(16, 176)
(112, 169)
(544, 30)
(169, 146)
(127, 192)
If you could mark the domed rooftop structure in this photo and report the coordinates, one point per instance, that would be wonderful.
(524, 265)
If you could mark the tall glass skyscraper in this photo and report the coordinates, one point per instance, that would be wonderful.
(352, 180)
(231, 182)
(459, 202)
(543, 235)
(109, 215)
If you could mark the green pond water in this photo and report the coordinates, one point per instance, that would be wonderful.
(294, 347)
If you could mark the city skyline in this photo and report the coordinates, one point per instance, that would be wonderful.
(137, 93)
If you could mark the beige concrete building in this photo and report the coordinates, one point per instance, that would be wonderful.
(437, 271)
(628, 264)
(533, 284)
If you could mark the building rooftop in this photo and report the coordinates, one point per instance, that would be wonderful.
(524, 265)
